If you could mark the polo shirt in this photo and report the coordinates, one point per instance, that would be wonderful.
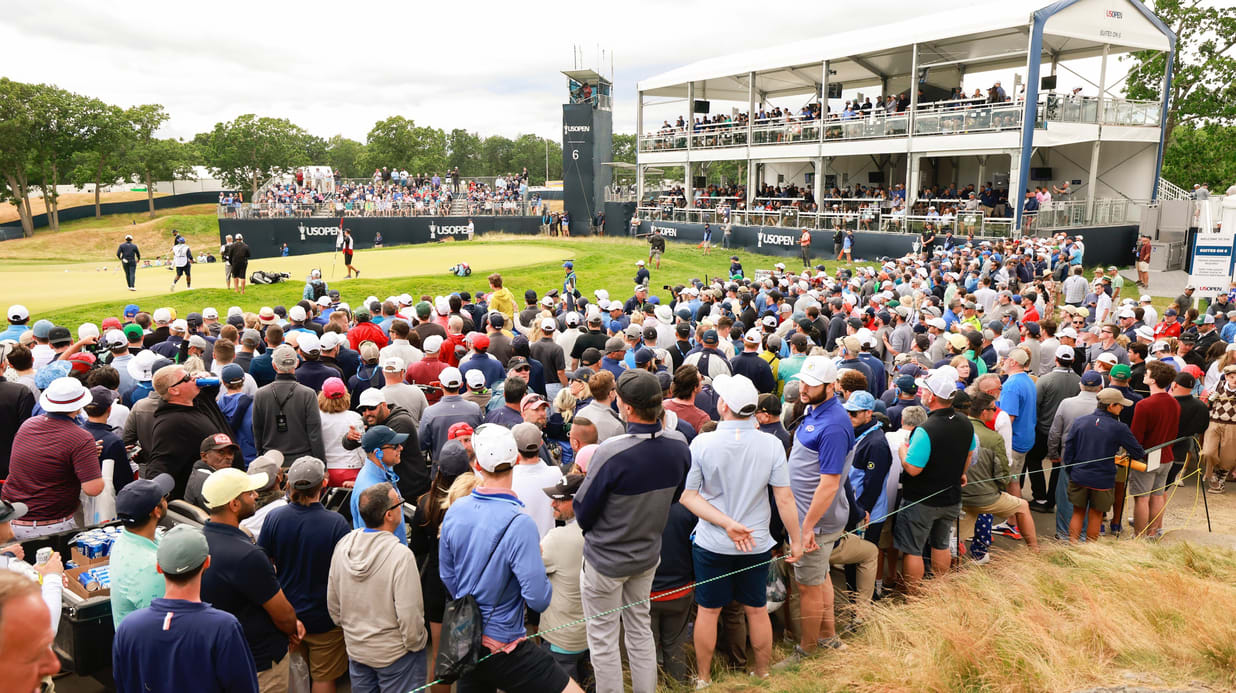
(301, 540)
(1020, 399)
(1156, 420)
(182, 646)
(732, 468)
(240, 580)
(369, 475)
(136, 581)
(52, 457)
(823, 444)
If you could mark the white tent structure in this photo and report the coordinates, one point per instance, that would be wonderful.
(1032, 37)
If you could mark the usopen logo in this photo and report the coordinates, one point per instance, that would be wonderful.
(667, 231)
(316, 231)
(1114, 14)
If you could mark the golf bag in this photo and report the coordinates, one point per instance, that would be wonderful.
(260, 277)
(461, 270)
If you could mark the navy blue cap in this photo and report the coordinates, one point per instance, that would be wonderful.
(139, 498)
(643, 356)
(232, 373)
(1091, 378)
(380, 436)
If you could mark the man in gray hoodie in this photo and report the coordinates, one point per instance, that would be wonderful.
(374, 594)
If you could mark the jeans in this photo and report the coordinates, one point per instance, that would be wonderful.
(602, 593)
(551, 391)
(1064, 508)
(402, 675)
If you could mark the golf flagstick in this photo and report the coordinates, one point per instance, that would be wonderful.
(335, 255)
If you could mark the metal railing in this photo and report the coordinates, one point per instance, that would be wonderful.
(369, 209)
(937, 118)
(869, 219)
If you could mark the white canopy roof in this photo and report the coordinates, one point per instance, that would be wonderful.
(985, 33)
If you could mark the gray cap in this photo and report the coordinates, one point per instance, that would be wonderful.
(527, 436)
(306, 473)
(269, 465)
(12, 511)
(615, 344)
(284, 356)
(251, 337)
(182, 550)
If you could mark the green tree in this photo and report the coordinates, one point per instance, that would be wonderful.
(61, 126)
(152, 159)
(1202, 154)
(624, 148)
(346, 156)
(497, 155)
(464, 152)
(101, 161)
(399, 142)
(17, 141)
(249, 150)
(1204, 69)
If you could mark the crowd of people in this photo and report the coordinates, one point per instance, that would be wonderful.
(761, 458)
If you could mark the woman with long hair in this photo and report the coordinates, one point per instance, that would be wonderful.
(335, 409)
(452, 464)
(1221, 356)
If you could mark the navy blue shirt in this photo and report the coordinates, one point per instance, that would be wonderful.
(494, 372)
(1091, 445)
(113, 449)
(756, 369)
(504, 416)
(240, 580)
(182, 646)
(301, 540)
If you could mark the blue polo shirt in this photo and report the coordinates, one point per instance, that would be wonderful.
(301, 540)
(1019, 399)
(182, 646)
(240, 580)
(369, 475)
(823, 444)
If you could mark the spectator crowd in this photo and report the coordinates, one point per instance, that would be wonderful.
(730, 464)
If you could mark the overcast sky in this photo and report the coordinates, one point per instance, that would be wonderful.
(336, 68)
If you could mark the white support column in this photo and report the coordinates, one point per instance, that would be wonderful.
(1017, 191)
(823, 99)
(819, 183)
(750, 110)
(750, 185)
(911, 162)
(1092, 183)
(687, 183)
(688, 187)
(639, 134)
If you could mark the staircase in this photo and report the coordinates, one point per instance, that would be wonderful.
(1170, 191)
(459, 207)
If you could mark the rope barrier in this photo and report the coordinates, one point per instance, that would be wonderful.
(854, 532)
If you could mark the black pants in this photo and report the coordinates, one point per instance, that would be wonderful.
(1039, 486)
(130, 273)
(669, 630)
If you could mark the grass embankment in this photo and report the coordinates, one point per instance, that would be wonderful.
(1110, 614)
(96, 239)
(8, 211)
(600, 263)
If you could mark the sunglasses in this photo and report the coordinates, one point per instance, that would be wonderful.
(398, 504)
(365, 410)
(182, 381)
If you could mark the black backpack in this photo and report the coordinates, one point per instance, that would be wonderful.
(318, 287)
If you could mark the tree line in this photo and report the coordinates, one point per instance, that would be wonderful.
(51, 137)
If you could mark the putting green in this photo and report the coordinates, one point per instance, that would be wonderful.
(48, 286)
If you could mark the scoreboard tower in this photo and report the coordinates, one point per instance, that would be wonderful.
(587, 144)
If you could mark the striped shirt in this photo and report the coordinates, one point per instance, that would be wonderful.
(52, 458)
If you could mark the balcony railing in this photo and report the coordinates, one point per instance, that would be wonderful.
(938, 118)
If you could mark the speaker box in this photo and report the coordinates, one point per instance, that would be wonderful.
(702, 106)
(1047, 83)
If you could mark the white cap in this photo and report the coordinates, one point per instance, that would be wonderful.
(296, 314)
(639, 263)
(548, 325)
(475, 378)
(210, 314)
(572, 319)
(450, 377)
(392, 364)
(370, 300)
(942, 382)
(547, 301)
(769, 320)
(1144, 332)
(1158, 346)
(1144, 299)
(330, 340)
(371, 397)
(308, 341)
(753, 336)
(235, 310)
(115, 338)
(738, 393)
(817, 370)
(937, 323)
(1067, 332)
(601, 294)
(1065, 352)
(162, 316)
(87, 329)
(1126, 313)
(405, 299)
(180, 325)
(494, 446)
(17, 313)
(324, 300)
(1108, 357)
(432, 344)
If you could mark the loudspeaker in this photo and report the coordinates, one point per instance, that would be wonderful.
(699, 182)
(834, 90)
(1047, 83)
(1040, 174)
(701, 106)
(875, 176)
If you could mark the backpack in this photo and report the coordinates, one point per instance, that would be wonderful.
(317, 288)
(463, 628)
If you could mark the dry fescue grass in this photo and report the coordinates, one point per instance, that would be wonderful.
(96, 239)
(8, 212)
(1063, 620)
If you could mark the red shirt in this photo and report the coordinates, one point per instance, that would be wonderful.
(366, 331)
(1165, 329)
(52, 458)
(805, 238)
(1156, 419)
(1031, 315)
(425, 372)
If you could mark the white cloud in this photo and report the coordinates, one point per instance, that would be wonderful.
(336, 68)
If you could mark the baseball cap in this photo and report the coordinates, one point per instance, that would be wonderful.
(380, 436)
(133, 332)
(475, 378)
(1021, 356)
(527, 436)
(1121, 372)
(1064, 353)
(643, 356)
(958, 341)
(13, 511)
(565, 488)
(1091, 378)
(532, 400)
(590, 357)
(284, 356)
(199, 342)
(710, 337)
(330, 340)
(738, 393)
(224, 485)
(182, 550)
(59, 335)
(308, 342)
(639, 388)
(453, 458)
(860, 401)
(616, 344)
(769, 404)
(131, 309)
(458, 429)
(218, 441)
(450, 377)
(101, 397)
(306, 473)
(432, 344)
(906, 384)
(115, 339)
(1107, 357)
(139, 498)
(371, 397)
(1110, 395)
(817, 370)
(1186, 379)
(941, 382)
(495, 447)
(516, 362)
(480, 342)
(18, 313)
(392, 364)
(334, 388)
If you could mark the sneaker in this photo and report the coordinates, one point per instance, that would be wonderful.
(173, 287)
(1043, 507)
(833, 643)
(798, 655)
(980, 559)
(1216, 484)
(701, 684)
(1007, 530)
(1115, 529)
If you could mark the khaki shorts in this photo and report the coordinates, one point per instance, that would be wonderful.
(327, 655)
(1002, 508)
(1143, 267)
(1098, 499)
(812, 568)
(1017, 463)
(275, 679)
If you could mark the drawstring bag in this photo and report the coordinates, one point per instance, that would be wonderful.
(463, 629)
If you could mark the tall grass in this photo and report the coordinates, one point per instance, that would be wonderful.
(1111, 613)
